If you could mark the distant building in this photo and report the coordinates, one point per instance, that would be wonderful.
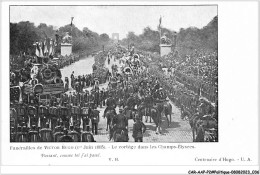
(115, 37)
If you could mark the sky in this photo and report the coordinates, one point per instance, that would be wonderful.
(116, 19)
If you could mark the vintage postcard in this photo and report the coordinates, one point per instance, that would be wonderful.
(86, 83)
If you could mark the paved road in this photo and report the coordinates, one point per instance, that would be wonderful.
(178, 131)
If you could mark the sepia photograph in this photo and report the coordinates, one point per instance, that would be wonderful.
(114, 73)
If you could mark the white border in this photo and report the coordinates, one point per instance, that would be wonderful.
(238, 100)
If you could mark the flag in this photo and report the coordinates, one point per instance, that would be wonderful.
(71, 21)
(51, 47)
(48, 46)
(39, 48)
(45, 47)
(54, 45)
(37, 51)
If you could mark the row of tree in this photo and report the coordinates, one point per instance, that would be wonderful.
(188, 40)
(24, 34)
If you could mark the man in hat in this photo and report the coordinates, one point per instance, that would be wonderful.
(92, 99)
(139, 129)
(119, 122)
(130, 104)
(111, 104)
(72, 79)
(101, 97)
(69, 97)
(161, 94)
(95, 121)
(96, 96)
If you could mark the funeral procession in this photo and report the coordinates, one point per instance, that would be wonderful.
(71, 81)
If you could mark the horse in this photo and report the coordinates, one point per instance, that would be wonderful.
(87, 137)
(168, 112)
(201, 124)
(129, 113)
(144, 110)
(119, 135)
(109, 116)
(155, 114)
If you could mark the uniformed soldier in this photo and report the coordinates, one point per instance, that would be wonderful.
(86, 96)
(74, 99)
(139, 129)
(95, 121)
(101, 97)
(21, 135)
(33, 135)
(130, 104)
(46, 134)
(120, 122)
(96, 97)
(72, 79)
(111, 104)
(161, 95)
(92, 99)
(86, 114)
(57, 133)
(43, 113)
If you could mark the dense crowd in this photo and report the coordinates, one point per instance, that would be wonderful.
(20, 61)
(74, 115)
(199, 65)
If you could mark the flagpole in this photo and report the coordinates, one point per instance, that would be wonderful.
(160, 33)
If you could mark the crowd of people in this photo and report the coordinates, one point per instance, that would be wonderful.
(74, 115)
(78, 109)
(189, 77)
(197, 68)
(18, 62)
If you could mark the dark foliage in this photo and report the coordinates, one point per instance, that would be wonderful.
(24, 34)
(188, 40)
